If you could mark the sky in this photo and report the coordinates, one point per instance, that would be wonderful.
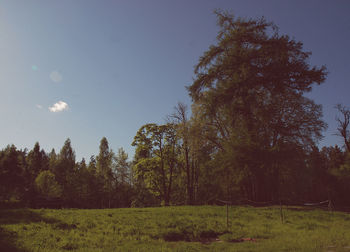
(86, 69)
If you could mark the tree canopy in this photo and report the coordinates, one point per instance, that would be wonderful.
(249, 88)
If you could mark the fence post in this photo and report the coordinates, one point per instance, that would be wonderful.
(227, 215)
(330, 206)
(281, 212)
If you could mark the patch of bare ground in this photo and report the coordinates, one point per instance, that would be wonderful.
(213, 239)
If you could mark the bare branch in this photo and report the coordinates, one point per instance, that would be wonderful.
(343, 124)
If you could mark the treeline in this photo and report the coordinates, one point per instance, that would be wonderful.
(251, 133)
(30, 177)
(110, 180)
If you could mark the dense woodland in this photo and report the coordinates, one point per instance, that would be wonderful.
(249, 134)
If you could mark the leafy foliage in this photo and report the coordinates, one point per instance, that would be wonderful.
(156, 150)
(249, 89)
(47, 185)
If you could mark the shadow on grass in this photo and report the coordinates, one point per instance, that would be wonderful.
(23, 216)
(206, 236)
(18, 216)
(306, 209)
(8, 241)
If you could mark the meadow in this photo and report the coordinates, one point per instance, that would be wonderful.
(181, 228)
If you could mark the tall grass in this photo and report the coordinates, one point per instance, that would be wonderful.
(187, 228)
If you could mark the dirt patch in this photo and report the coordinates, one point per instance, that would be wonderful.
(64, 226)
(244, 240)
(211, 240)
(206, 236)
(208, 241)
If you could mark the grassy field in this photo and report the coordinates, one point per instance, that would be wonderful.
(199, 228)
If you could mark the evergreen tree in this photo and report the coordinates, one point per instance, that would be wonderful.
(123, 189)
(64, 171)
(94, 188)
(104, 171)
(11, 173)
(37, 162)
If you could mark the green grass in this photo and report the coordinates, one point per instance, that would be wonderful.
(200, 228)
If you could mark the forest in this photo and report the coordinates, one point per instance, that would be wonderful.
(251, 133)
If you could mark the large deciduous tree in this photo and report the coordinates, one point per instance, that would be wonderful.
(249, 88)
(156, 150)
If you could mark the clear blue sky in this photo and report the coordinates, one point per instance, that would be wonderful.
(112, 66)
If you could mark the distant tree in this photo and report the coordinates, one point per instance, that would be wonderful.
(317, 181)
(36, 162)
(122, 167)
(183, 127)
(344, 125)
(95, 186)
(92, 165)
(104, 171)
(52, 160)
(11, 173)
(122, 171)
(343, 175)
(63, 163)
(81, 184)
(335, 158)
(64, 171)
(143, 196)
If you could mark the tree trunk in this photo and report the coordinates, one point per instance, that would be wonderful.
(188, 175)
(192, 184)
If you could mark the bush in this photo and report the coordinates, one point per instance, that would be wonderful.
(47, 185)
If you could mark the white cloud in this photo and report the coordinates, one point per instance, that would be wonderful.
(39, 106)
(56, 76)
(59, 106)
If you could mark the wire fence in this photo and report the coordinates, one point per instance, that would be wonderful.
(284, 204)
(325, 204)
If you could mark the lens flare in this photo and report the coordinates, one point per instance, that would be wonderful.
(56, 76)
